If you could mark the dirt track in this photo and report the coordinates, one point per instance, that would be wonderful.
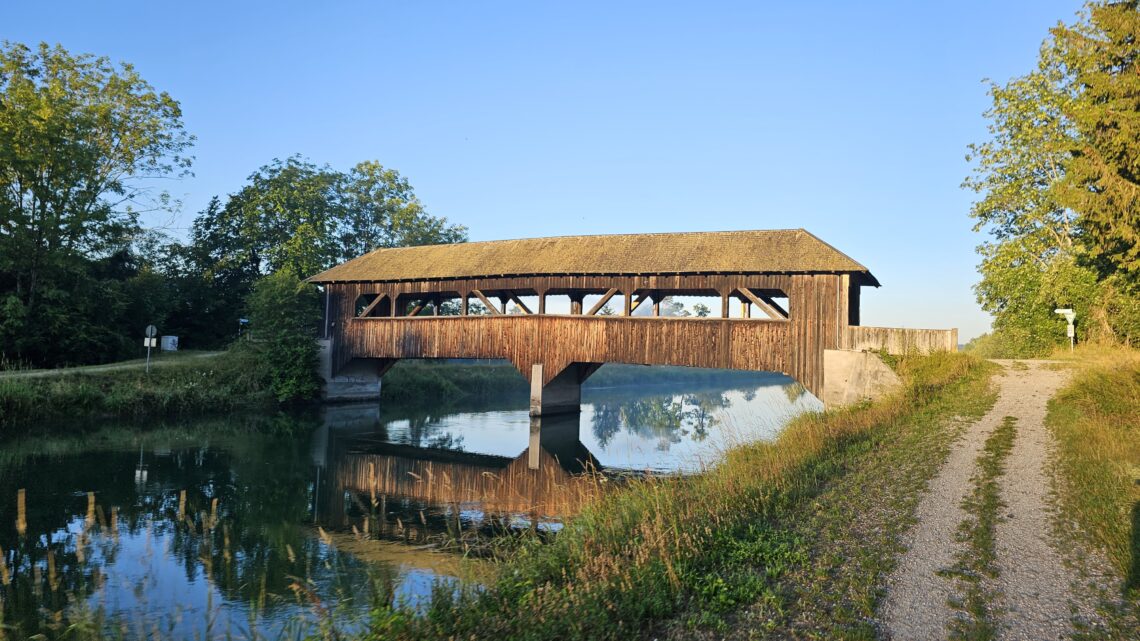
(1033, 598)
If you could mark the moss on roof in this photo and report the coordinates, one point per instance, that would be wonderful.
(748, 252)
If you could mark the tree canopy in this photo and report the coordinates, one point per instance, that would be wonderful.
(1057, 182)
(82, 143)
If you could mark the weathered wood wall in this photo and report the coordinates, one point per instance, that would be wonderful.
(895, 340)
(819, 310)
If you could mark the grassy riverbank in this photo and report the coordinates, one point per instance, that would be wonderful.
(758, 538)
(1096, 419)
(185, 386)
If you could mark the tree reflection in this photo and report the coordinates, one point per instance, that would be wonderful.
(668, 419)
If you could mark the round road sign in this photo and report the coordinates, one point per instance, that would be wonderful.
(151, 331)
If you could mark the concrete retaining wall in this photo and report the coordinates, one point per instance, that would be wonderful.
(853, 377)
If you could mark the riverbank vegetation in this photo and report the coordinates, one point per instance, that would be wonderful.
(694, 552)
(1096, 420)
(83, 141)
(206, 384)
(1059, 191)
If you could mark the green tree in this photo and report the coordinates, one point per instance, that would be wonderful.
(295, 215)
(1100, 58)
(1047, 247)
(81, 142)
(381, 210)
(284, 314)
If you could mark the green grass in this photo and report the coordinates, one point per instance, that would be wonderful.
(694, 552)
(977, 561)
(1096, 420)
(200, 385)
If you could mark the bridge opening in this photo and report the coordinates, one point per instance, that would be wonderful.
(373, 305)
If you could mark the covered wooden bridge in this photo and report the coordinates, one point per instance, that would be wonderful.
(798, 297)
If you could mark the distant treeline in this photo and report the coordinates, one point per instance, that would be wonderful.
(83, 144)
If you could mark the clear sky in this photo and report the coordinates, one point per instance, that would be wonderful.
(526, 119)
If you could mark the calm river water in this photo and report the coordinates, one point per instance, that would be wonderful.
(251, 525)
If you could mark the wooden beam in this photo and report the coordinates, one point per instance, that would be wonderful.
(628, 303)
(522, 306)
(576, 303)
(602, 302)
(542, 302)
(641, 298)
(491, 306)
(724, 295)
(765, 303)
(418, 308)
(372, 305)
(463, 306)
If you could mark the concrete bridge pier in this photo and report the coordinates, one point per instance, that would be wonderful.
(561, 395)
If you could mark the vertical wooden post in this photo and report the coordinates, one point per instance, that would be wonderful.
(503, 302)
(576, 303)
(745, 309)
(724, 304)
(628, 303)
(463, 305)
(542, 301)
(656, 305)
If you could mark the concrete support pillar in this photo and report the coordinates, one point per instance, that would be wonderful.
(358, 380)
(559, 396)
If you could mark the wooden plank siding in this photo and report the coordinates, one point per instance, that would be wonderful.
(818, 318)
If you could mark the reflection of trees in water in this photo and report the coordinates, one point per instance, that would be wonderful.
(241, 525)
(424, 430)
(667, 418)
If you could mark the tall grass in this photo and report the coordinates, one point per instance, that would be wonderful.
(699, 546)
(1096, 419)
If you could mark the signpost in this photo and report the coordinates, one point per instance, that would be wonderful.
(150, 341)
(1070, 316)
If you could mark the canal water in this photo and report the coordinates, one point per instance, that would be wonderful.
(262, 526)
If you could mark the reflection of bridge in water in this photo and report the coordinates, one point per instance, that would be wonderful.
(553, 477)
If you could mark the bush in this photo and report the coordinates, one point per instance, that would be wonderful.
(284, 313)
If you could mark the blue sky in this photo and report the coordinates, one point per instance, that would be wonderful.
(526, 119)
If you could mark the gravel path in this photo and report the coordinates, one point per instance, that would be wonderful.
(157, 361)
(1033, 581)
(1035, 596)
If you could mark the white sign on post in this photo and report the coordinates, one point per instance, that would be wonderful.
(1070, 331)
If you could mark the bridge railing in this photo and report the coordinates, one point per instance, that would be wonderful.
(898, 340)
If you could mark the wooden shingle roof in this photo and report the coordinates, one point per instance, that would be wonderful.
(736, 252)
